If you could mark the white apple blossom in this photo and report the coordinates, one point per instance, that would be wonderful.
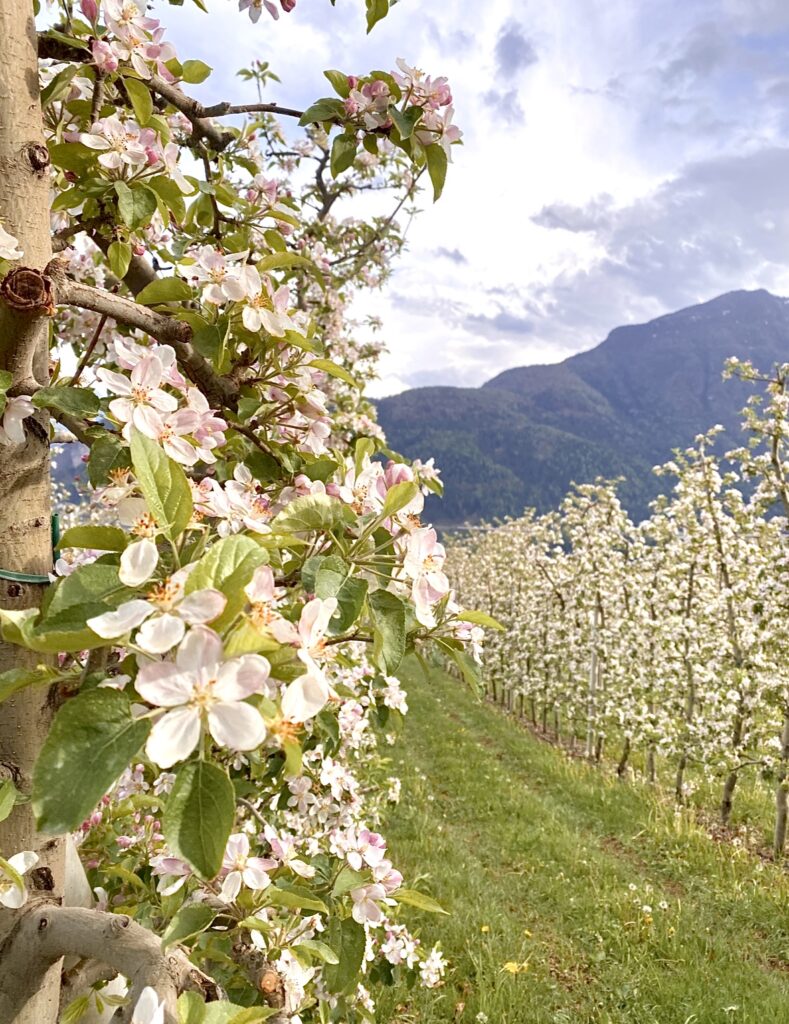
(16, 410)
(163, 617)
(239, 868)
(148, 1009)
(202, 690)
(13, 893)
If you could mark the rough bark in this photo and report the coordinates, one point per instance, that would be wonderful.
(44, 934)
(25, 539)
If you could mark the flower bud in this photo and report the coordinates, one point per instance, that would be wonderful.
(90, 9)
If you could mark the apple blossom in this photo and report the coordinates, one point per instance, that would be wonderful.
(163, 617)
(12, 890)
(239, 868)
(148, 1009)
(142, 397)
(201, 690)
(16, 410)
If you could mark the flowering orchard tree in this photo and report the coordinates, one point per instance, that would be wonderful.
(192, 682)
(666, 638)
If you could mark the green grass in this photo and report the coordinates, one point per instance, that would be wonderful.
(547, 862)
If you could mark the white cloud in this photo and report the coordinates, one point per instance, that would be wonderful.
(620, 159)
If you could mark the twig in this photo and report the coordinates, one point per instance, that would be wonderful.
(89, 351)
(252, 810)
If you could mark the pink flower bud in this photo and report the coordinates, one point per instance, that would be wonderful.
(90, 9)
(353, 81)
(139, 250)
(287, 5)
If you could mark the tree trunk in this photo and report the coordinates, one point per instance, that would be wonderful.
(731, 779)
(651, 773)
(25, 537)
(621, 768)
(781, 801)
(679, 780)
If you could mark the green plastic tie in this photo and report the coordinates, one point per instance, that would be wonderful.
(33, 577)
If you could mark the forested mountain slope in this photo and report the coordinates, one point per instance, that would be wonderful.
(618, 409)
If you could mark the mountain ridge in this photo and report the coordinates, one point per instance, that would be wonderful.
(616, 409)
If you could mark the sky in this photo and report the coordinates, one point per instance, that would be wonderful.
(621, 159)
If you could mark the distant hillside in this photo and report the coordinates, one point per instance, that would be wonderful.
(619, 409)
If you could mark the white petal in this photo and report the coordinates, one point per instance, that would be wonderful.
(161, 634)
(174, 737)
(200, 651)
(304, 698)
(242, 677)
(148, 1008)
(237, 726)
(138, 562)
(164, 684)
(123, 620)
(255, 877)
(202, 606)
(13, 898)
(24, 861)
(231, 887)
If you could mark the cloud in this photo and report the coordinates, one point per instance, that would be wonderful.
(451, 254)
(501, 323)
(513, 51)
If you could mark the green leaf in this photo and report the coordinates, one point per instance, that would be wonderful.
(319, 949)
(100, 538)
(165, 289)
(333, 579)
(141, 99)
(469, 669)
(15, 679)
(88, 591)
(405, 120)
(376, 10)
(365, 447)
(288, 260)
(92, 740)
(71, 156)
(388, 613)
(347, 938)
(106, 454)
(190, 920)
(228, 565)
(398, 497)
(199, 815)
(75, 401)
(136, 205)
(119, 256)
(436, 167)
(339, 82)
(335, 371)
(327, 109)
(343, 153)
(419, 900)
(195, 71)
(297, 897)
(8, 795)
(170, 194)
(60, 86)
(313, 512)
(480, 619)
(348, 879)
(163, 483)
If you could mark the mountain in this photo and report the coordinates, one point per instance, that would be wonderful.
(616, 410)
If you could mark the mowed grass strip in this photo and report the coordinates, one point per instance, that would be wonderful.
(574, 898)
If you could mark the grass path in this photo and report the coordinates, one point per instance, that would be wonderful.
(614, 908)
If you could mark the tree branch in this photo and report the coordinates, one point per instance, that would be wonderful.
(165, 329)
(46, 933)
(202, 128)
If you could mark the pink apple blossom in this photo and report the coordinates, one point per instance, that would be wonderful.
(142, 397)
